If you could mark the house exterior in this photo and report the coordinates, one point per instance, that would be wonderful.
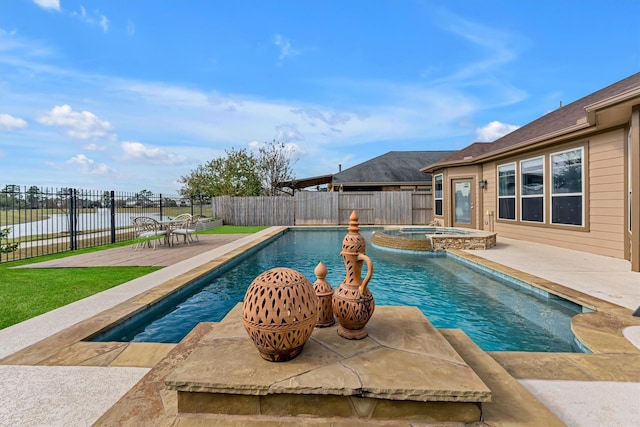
(393, 171)
(570, 178)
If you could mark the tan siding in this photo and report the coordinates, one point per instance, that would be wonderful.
(608, 219)
(605, 198)
(607, 204)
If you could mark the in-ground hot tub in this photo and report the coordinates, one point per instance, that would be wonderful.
(433, 238)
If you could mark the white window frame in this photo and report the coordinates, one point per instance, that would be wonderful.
(582, 182)
(435, 195)
(532, 196)
(514, 196)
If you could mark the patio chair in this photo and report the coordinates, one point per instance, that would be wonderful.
(185, 226)
(146, 228)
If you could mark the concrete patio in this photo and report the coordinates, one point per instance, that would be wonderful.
(52, 377)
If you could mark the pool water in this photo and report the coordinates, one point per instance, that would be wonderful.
(497, 314)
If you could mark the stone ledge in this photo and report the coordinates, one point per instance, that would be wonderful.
(404, 369)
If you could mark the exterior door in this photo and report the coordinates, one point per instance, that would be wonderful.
(463, 209)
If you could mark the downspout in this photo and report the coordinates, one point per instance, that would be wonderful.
(635, 189)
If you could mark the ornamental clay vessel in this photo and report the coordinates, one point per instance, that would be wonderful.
(353, 303)
(324, 292)
(279, 313)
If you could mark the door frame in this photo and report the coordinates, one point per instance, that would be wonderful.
(472, 203)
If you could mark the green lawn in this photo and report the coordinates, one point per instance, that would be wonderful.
(234, 229)
(29, 292)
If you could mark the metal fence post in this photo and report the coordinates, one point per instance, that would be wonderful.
(112, 203)
(161, 207)
(72, 219)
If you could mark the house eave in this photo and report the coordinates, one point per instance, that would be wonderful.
(628, 97)
(528, 144)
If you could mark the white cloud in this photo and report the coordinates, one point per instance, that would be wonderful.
(83, 125)
(96, 18)
(104, 23)
(48, 4)
(331, 119)
(131, 29)
(138, 151)
(8, 122)
(288, 147)
(89, 166)
(493, 131)
(94, 147)
(286, 49)
(288, 133)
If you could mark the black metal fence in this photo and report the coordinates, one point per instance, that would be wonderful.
(44, 221)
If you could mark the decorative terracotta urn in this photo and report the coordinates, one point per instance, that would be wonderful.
(324, 292)
(353, 303)
(279, 312)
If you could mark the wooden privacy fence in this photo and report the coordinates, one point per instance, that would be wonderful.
(327, 208)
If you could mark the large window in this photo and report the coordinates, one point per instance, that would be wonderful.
(507, 191)
(567, 182)
(437, 194)
(532, 190)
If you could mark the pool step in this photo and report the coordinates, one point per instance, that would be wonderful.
(511, 403)
(404, 371)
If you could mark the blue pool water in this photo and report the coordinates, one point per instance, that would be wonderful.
(497, 314)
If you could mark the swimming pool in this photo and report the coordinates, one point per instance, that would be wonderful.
(496, 313)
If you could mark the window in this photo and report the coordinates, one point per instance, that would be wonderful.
(437, 197)
(567, 181)
(532, 190)
(507, 191)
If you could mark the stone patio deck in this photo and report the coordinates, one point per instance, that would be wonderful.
(580, 389)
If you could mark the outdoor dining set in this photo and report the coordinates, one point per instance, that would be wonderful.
(149, 231)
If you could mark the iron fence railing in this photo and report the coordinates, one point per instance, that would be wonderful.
(45, 221)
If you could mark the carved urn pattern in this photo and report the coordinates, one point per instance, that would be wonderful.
(279, 312)
(324, 292)
(353, 303)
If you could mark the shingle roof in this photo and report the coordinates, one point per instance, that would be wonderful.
(392, 167)
(555, 121)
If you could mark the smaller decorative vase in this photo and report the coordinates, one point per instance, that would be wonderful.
(324, 292)
(279, 312)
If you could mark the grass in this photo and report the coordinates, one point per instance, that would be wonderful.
(233, 229)
(29, 292)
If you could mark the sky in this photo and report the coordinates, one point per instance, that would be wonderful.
(133, 95)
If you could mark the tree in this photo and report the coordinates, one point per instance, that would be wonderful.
(10, 196)
(6, 248)
(275, 161)
(33, 196)
(233, 175)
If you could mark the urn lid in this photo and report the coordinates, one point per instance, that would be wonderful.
(321, 286)
(353, 243)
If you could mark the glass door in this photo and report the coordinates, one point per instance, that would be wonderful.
(463, 209)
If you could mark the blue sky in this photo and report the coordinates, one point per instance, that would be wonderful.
(132, 95)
